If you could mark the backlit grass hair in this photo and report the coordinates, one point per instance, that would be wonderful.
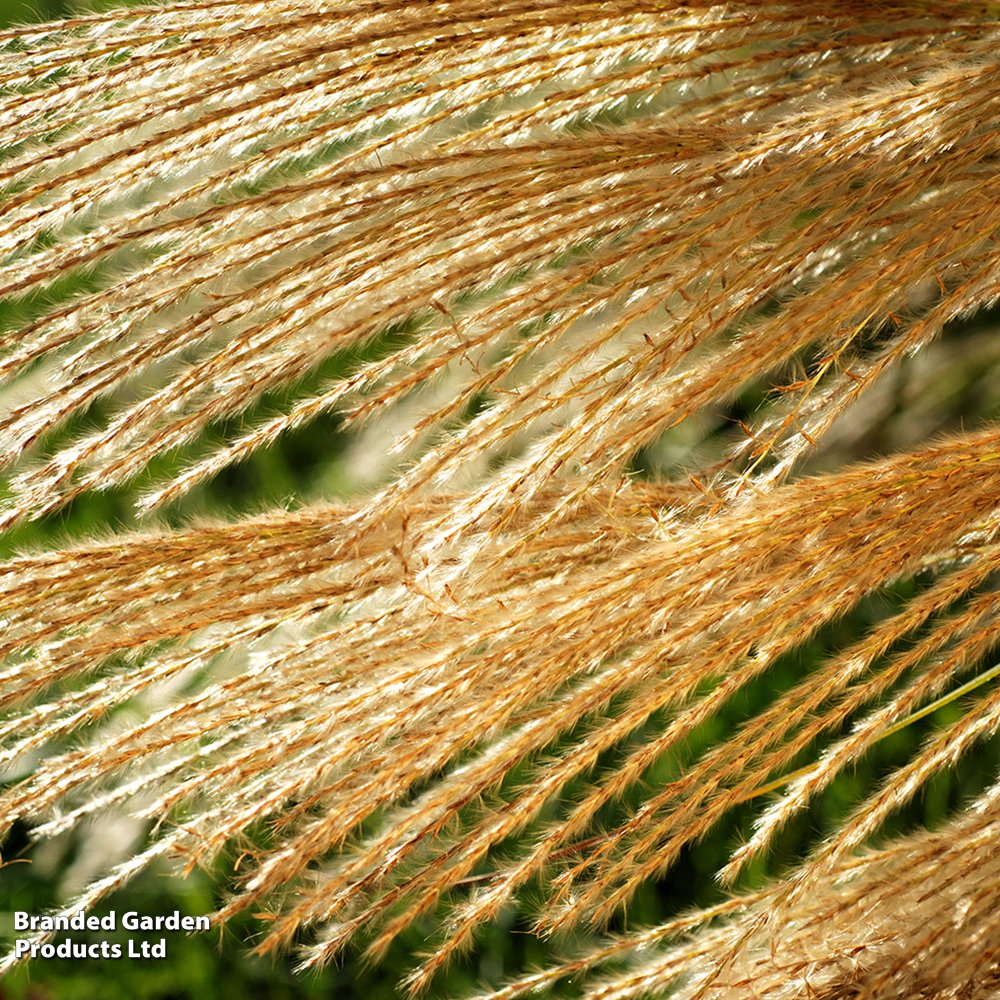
(513, 245)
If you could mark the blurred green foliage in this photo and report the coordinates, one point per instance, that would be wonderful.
(20, 12)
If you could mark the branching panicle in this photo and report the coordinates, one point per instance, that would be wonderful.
(516, 253)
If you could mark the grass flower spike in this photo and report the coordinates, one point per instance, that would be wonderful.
(647, 346)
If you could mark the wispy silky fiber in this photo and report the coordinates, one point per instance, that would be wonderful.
(618, 307)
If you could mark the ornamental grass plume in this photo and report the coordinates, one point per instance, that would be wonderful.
(618, 304)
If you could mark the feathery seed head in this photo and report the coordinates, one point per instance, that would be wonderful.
(514, 253)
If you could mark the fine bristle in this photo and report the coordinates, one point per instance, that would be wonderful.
(514, 245)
